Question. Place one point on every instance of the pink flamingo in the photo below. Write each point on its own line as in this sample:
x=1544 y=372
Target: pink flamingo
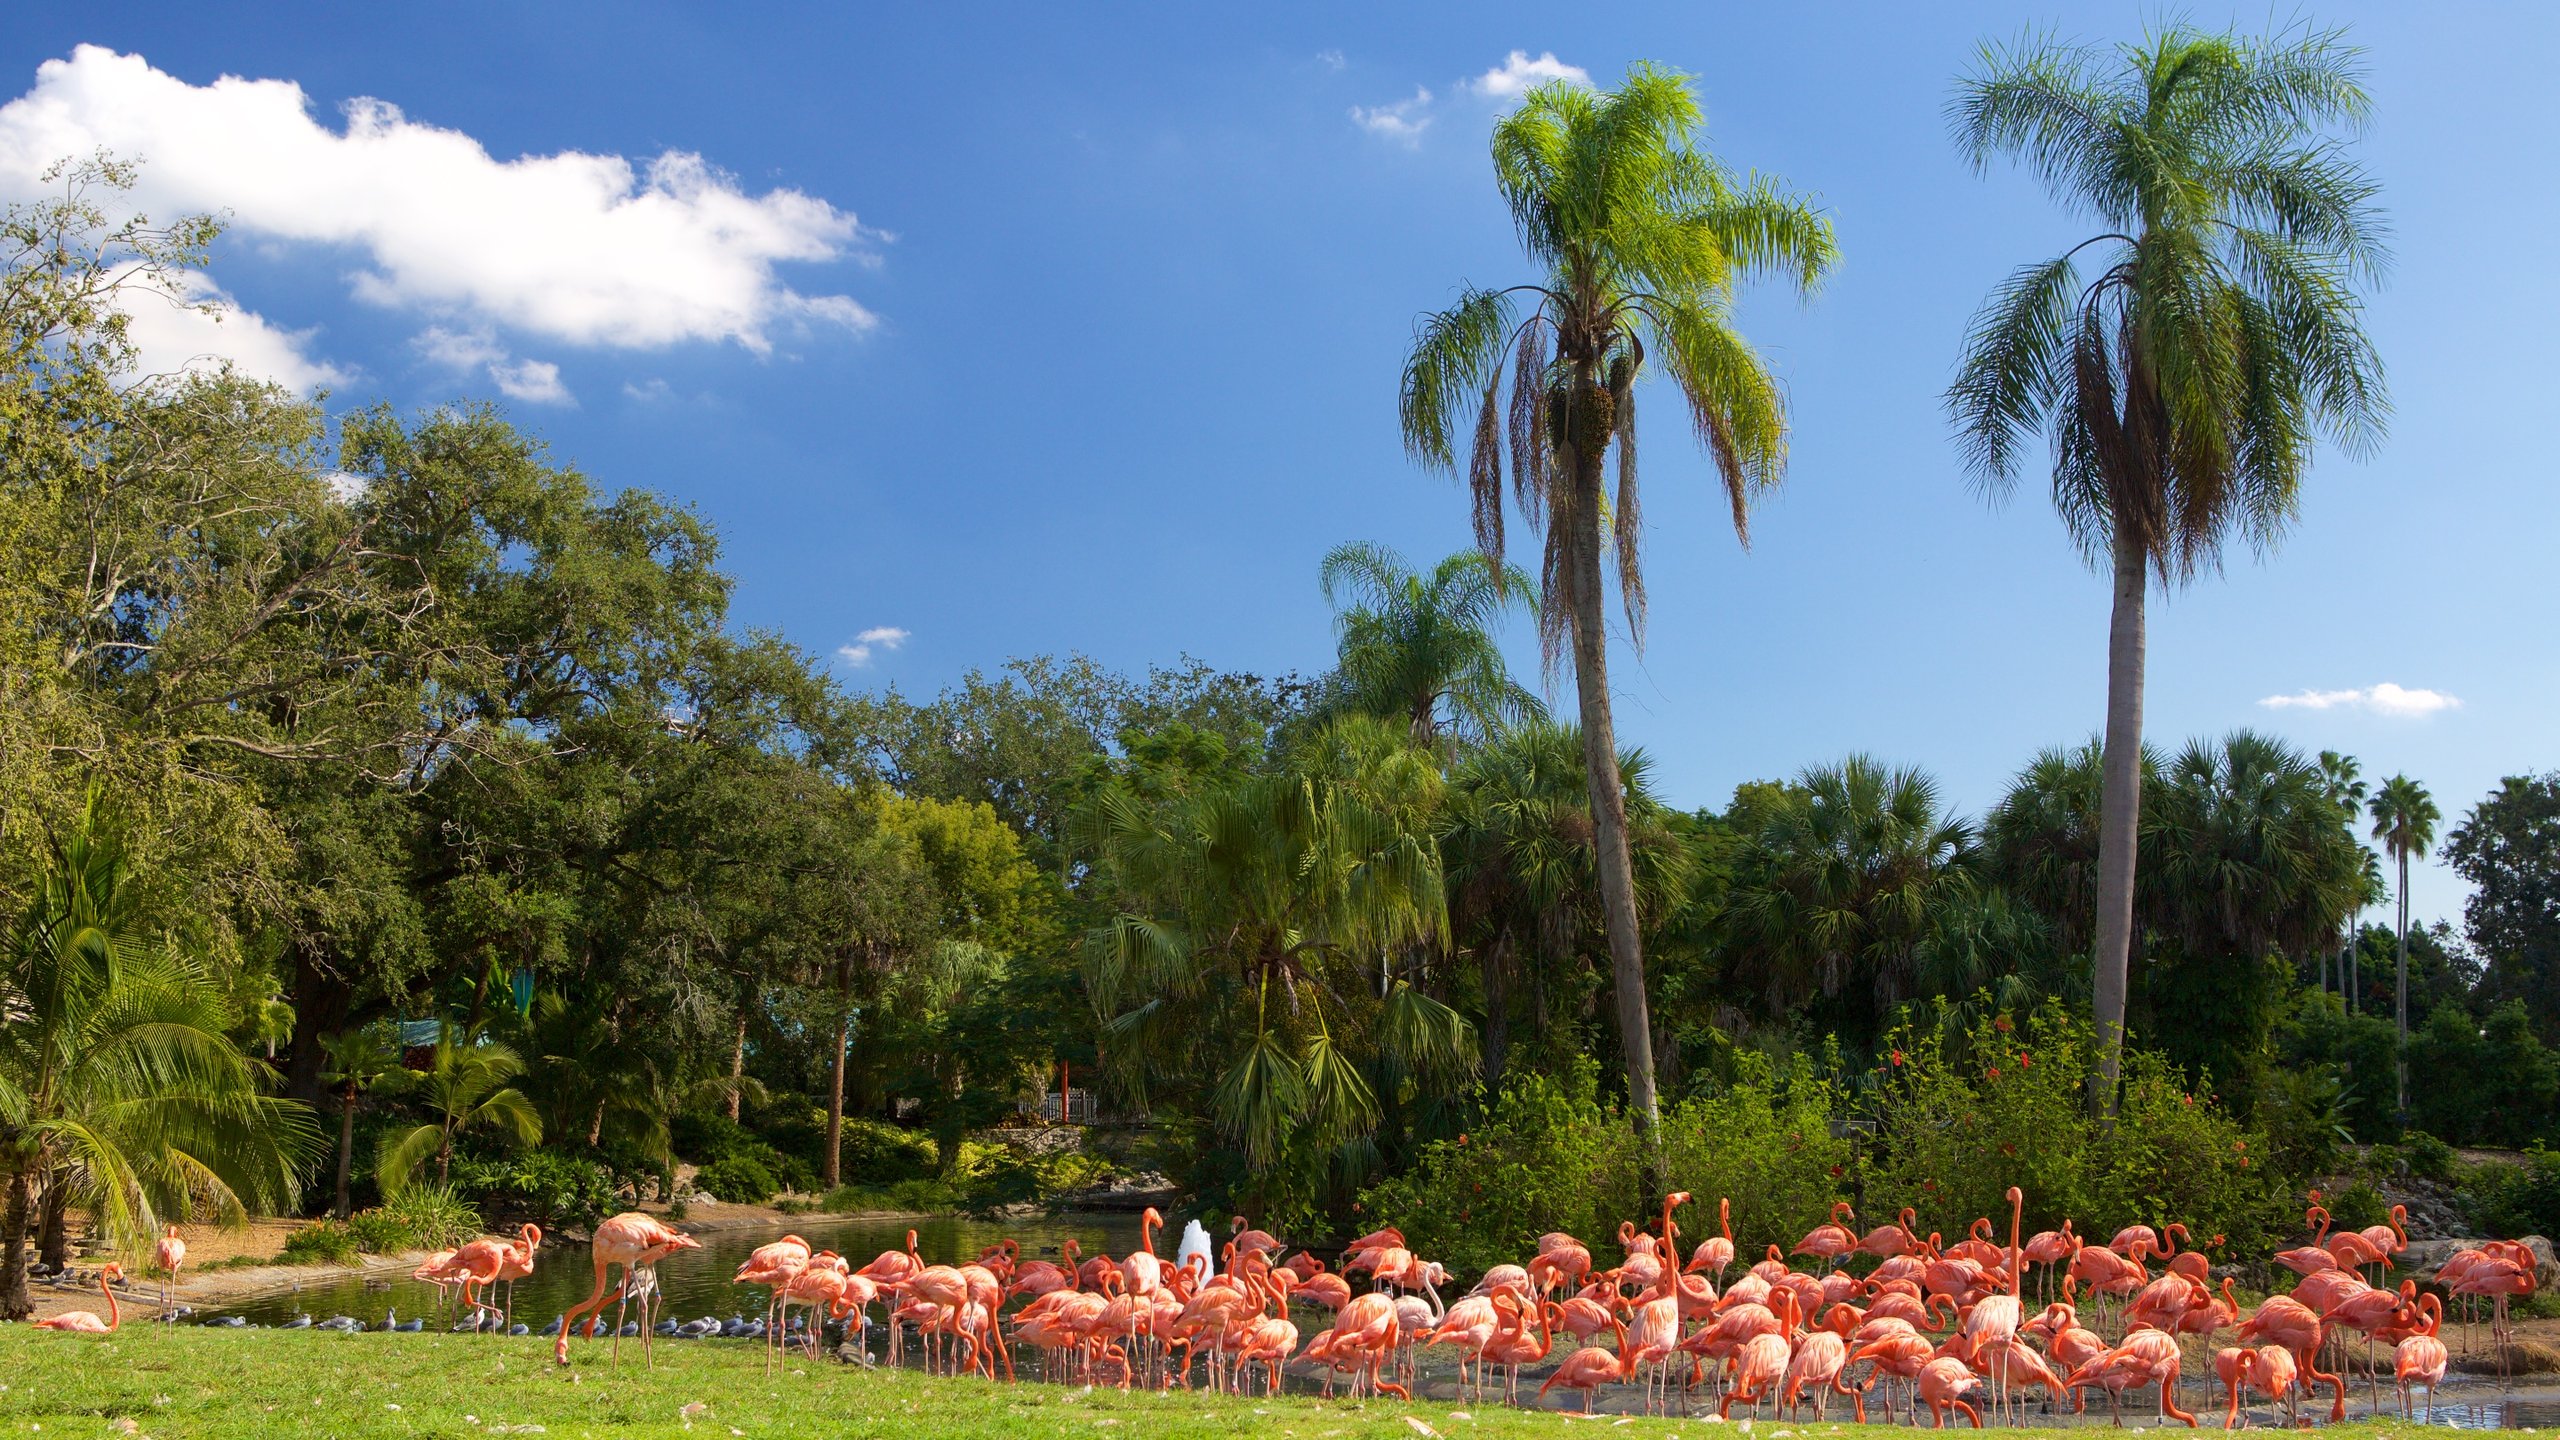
x=636 y=1242
x=1589 y=1368
x=437 y=1270
x=1833 y=1239
x=1886 y=1241
x=2421 y=1359
x=171 y=1254
x=1944 y=1382
x=1716 y=1251
x=83 y=1322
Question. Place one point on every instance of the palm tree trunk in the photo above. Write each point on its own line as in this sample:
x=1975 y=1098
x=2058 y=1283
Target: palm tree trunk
x=830 y=1170
x=2401 y=1006
x=2355 y=943
x=53 y=1232
x=343 y=1203
x=2119 y=812
x=1608 y=799
x=737 y=1063
x=15 y=1304
x=1497 y=1009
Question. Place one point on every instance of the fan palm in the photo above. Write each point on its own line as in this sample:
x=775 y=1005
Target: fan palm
x=117 y=1077
x=1862 y=860
x=2404 y=820
x=1516 y=838
x=2244 y=863
x=1643 y=239
x=2184 y=376
x=1417 y=646
x=464 y=1089
x=1269 y=911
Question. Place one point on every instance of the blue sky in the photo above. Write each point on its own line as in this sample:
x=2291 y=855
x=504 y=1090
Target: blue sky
x=1053 y=328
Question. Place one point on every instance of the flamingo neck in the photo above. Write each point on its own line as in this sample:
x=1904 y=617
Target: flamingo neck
x=113 y=1320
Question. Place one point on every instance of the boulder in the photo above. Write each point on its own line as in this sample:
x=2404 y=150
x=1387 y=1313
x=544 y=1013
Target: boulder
x=2423 y=1257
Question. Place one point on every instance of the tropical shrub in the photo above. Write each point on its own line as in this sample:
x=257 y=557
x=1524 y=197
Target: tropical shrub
x=377 y=1232
x=326 y=1243
x=2175 y=1154
x=547 y=1187
x=1767 y=1142
x=2427 y=1157
x=2515 y=1200
x=919 y=1197
x=2355 y=1205
x=883 y=1154
x=740 y=1180
x=1962 y=1112
x=432 y=1217
x=1546 y=1156
x=2489 y=1081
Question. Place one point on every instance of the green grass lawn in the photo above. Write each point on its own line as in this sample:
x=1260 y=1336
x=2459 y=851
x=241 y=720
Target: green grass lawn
x=187 y=1382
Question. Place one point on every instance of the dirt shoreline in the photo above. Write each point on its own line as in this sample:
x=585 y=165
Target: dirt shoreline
x=213 y=1289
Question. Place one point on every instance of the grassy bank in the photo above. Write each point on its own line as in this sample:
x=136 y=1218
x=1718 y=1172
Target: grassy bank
x=176 y=1384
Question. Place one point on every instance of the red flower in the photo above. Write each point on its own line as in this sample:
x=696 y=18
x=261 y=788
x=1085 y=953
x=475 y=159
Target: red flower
x=1897 y=1057
x=1991 y=1074
x=1462 y=1137
x=2003 y=1025
x=2025 y=1060
x=2240 y=1147
x=2186 y=1099
x=1835 y=1172
x=1928 y=1184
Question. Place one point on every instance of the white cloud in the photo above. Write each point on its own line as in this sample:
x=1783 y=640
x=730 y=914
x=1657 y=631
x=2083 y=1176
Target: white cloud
x=648 y=392
x=1332 y=60
x=459 y=349
x=536 y=382
x=200 y=327
x=2383 y=699
x=877 y=638
x=1403 y=122
x=582 y=249
x=347 y=485
x=1518 y=73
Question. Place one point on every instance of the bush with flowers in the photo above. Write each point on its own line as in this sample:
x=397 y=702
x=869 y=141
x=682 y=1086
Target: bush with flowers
x=1962 y=1111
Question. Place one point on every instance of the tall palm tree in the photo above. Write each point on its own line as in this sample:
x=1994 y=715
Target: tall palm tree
x=117 y=1075
x=2404 y=820
x=1643 y=239
x=1420 y=646
x=2341 y=780
x=2183 y=379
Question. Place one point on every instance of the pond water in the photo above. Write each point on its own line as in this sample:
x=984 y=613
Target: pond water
x=696 y=1282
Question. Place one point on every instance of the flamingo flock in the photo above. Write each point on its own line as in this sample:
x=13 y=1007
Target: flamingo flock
x=1946 y=1329
x=1949 y=1329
